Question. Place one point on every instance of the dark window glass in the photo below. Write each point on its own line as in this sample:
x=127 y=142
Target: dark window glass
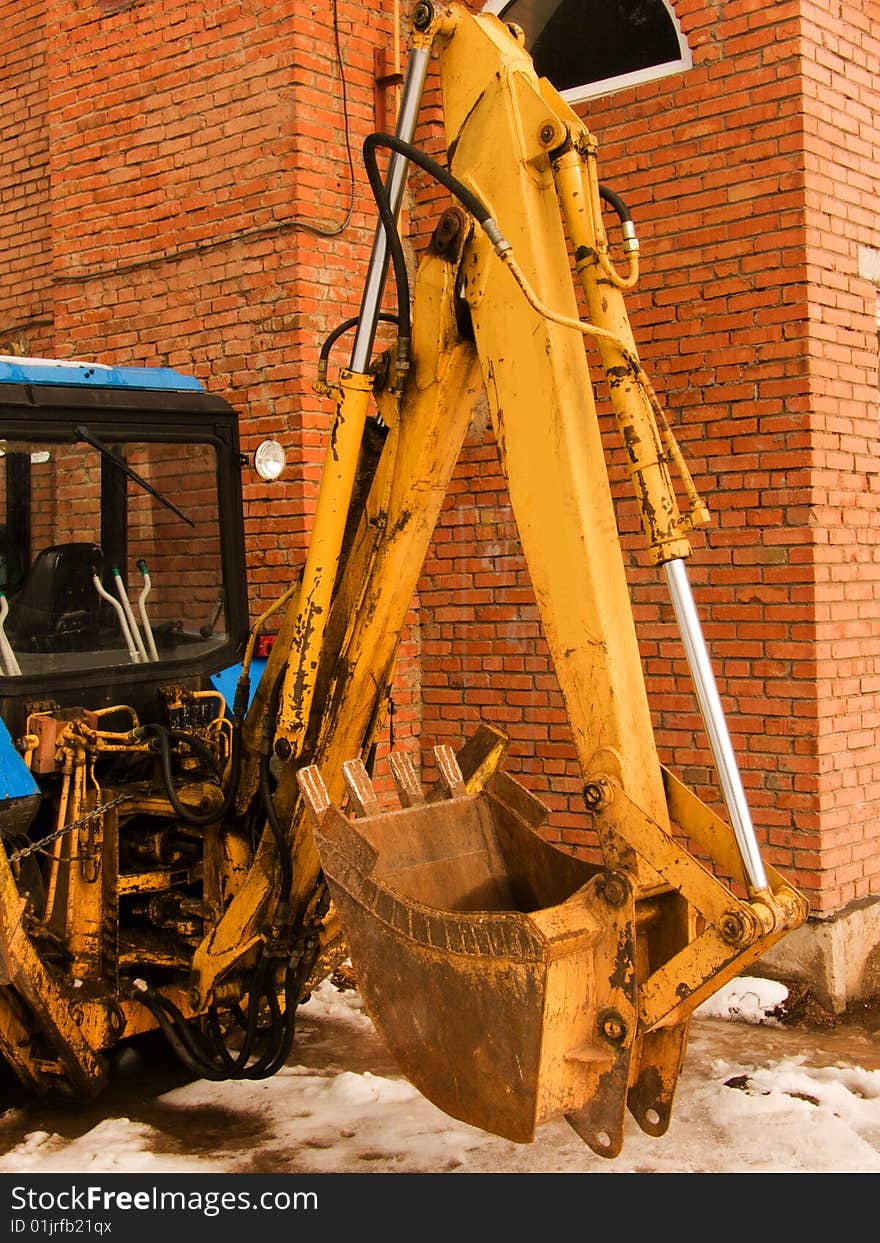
x=575 y=42
x=70 y=531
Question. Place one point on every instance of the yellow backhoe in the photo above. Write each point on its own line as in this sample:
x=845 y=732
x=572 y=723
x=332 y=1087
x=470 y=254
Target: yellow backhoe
x=186 y=851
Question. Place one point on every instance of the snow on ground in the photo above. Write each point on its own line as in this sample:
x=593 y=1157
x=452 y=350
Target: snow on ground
x=753 y=1096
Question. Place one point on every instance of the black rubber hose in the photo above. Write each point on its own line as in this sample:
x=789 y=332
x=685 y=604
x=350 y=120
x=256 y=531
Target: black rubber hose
x=269 y=1057
x=267 y=801
x=182 y=1040
x=455 y=187
x=218 y=1043
x=188 y=814
x=173 y=1025
x=197 y=1060
x=293 y=983
x=278 y=833
x=395 y=249
x=197 y=745
x=614 y=200
x=284 y=1026
x=255 y=993
x=185 y=1036
x=348 y=324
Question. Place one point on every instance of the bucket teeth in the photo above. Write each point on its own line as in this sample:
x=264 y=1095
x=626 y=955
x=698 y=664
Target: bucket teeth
x=362 y=797
x=360 y=788
x=451 y=780
x=313 y=790
x=406 y=779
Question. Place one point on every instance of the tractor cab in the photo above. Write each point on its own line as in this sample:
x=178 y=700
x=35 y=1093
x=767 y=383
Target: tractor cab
x=121 y=543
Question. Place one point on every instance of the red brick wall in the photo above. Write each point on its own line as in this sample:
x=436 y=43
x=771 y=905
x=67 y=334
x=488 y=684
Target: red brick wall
x=25 y=313
x=186 y=147
x=841 y=48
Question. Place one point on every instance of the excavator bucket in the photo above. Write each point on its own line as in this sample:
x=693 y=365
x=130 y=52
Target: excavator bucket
x=478 y=950
x=503 y=973
x=481 y=951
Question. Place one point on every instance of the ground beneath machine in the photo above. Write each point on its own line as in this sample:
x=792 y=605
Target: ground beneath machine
x=765 y=1087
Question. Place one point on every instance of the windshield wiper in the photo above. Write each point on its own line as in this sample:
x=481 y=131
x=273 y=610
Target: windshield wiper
x=84 y=434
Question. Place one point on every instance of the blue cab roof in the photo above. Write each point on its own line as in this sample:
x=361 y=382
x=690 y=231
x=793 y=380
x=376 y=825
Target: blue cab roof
x=15 y=370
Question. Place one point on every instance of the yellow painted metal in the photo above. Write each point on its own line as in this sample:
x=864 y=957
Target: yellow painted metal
x=649 y=449
x=322 y=560
x=372 y=599
x=733 y=931
x=500 y=130
x=85 y=918
x=52 y=1003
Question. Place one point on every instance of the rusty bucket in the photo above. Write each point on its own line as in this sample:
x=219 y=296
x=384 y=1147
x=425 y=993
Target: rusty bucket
x=498 y=968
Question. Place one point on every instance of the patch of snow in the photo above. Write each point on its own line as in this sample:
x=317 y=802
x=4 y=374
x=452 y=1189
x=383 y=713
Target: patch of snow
x=740 y=1106
x=343 y=1005
x=745 y=999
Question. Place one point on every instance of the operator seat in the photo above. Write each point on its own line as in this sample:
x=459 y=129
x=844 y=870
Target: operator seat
x=57 y=608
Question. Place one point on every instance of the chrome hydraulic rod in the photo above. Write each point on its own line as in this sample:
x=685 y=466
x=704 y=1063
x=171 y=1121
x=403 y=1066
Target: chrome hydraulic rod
x=715 y=722
x=410 y=101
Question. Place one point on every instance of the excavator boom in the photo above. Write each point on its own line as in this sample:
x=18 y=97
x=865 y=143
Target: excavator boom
x=512 y=984
x=203 y=865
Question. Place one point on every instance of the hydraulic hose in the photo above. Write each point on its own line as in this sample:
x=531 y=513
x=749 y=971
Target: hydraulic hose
x=255 y=994
x=268 y=803
x=198 y=745
x=277 y=1028
x=455 y=187
x=630 y=241
x=200 y=1061
x=339 y=331
x=614 y=200
x=181 y=1038
x=278 y=834
x=489 y=225
x=155 y=1003
x=188 y=814
x=293 y=982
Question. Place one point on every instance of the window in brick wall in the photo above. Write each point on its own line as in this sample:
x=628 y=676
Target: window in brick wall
x=589 y=48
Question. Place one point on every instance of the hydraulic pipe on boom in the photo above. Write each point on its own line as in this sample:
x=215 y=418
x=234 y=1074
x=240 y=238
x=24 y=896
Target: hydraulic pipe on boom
x=716 y=724
x=651 y=452
x=377 y=271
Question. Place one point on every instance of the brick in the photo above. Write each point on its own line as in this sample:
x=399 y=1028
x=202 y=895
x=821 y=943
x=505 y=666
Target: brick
x=152 y=192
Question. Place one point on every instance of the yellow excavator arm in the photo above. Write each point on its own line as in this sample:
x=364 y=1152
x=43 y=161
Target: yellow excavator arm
x=513 y=983
x=201 y=870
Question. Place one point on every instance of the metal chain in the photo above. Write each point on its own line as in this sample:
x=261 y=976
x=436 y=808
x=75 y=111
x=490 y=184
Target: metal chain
x=32 y=847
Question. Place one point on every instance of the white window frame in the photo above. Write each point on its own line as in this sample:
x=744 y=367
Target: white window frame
x=622 y=81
